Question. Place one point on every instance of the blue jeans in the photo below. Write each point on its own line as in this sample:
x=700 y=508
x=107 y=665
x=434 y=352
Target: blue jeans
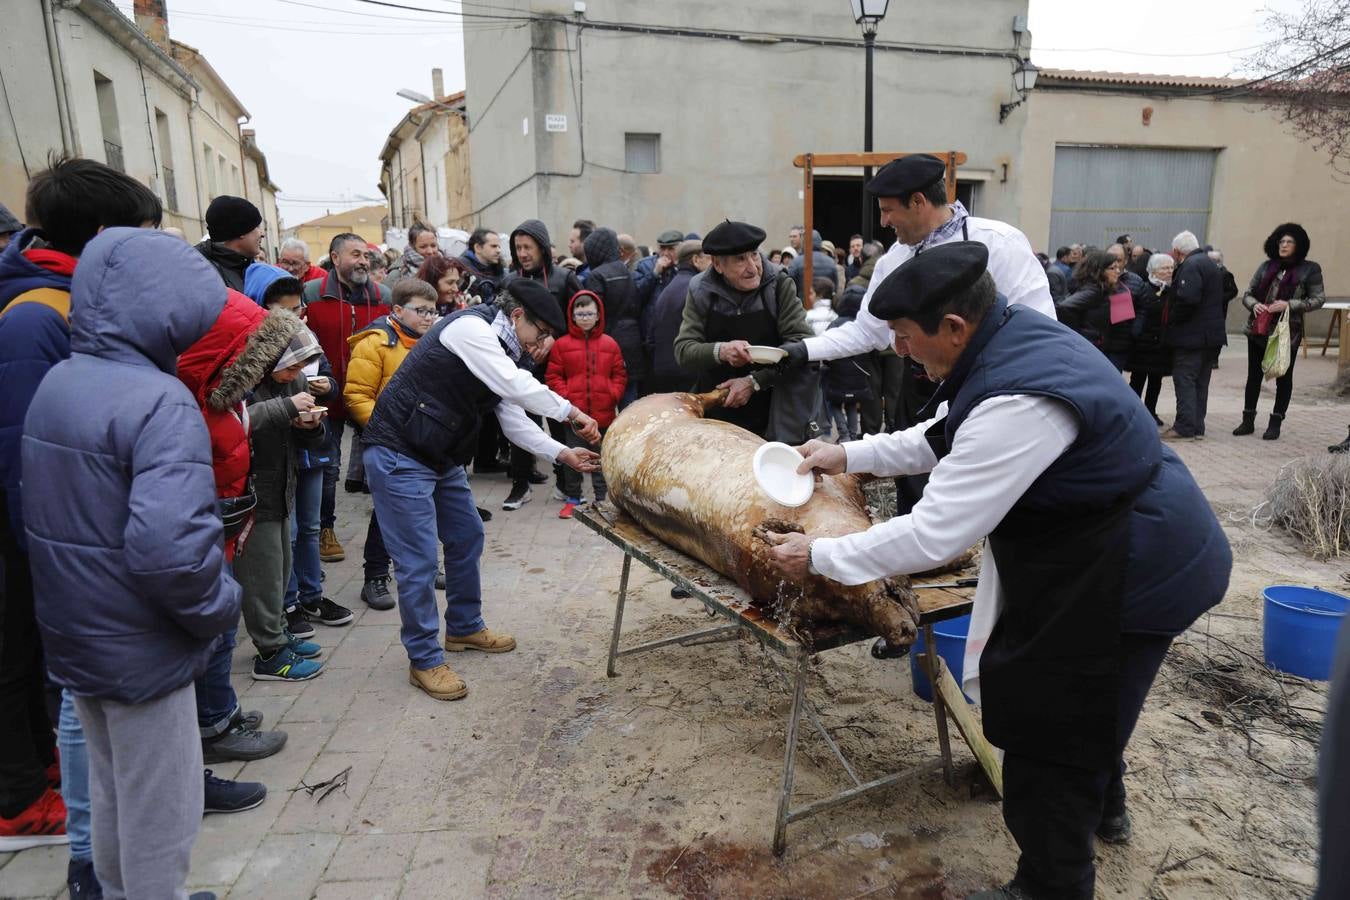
x=216 y=700
x=306 y=584
x=417 y=508
x=331 y=471
x=74 y=779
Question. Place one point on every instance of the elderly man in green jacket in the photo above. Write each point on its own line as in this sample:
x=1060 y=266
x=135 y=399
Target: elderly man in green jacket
x=744 y=300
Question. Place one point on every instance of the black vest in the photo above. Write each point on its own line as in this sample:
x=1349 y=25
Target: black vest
x=432 y=407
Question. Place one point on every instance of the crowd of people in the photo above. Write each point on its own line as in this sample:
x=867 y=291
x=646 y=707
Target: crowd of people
x=1161 y=314
x=227 y=384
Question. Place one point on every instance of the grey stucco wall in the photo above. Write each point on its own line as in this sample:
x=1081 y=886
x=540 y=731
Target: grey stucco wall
x=731 y=114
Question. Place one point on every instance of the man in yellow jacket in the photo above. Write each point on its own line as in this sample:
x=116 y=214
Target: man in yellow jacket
x=376 y=353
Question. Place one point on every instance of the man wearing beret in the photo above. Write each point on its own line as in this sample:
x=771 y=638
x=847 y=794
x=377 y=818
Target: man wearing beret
x=234 y=234
x=911 y=194
x=745 y=300
x=1101 y=547
x=425 y=430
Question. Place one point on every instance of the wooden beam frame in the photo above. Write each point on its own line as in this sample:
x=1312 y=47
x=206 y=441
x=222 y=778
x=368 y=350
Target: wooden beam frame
x=809 y=162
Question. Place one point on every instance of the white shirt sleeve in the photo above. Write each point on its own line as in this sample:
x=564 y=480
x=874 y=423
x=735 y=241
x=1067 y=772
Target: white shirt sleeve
x=526 y=435
x=1000 y=449
x=901 y=453
x=473 y=341
x=866 y=332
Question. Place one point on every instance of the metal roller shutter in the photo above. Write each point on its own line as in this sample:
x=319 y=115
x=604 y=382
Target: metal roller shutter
x=1104 y=191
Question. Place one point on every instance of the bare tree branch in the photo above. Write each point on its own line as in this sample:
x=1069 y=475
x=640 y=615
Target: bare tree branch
x=1302 y=74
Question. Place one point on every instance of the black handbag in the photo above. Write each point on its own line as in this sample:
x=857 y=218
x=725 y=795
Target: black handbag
x=235 y=512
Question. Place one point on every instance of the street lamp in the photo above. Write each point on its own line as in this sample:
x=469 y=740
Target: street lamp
x=414 y=96
x=868 y=14
x=418 y=97
x=1024 y=79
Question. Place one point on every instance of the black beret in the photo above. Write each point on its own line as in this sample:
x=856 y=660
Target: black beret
x=728 y=238
x=927 y=280
x=230 y=217
x=903 y=176
x=539 y=302
x=670 y=237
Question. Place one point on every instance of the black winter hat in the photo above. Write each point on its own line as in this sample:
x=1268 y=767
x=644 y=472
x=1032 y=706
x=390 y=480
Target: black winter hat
x=925 y=281
x=728 y=238
x=1302 y=244
x=902 y=177
x=230 y=217
x=539 y=302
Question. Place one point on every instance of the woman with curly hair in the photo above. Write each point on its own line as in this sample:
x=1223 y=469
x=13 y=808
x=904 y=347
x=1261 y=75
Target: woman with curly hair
x=1287 y=283
x=446 y=275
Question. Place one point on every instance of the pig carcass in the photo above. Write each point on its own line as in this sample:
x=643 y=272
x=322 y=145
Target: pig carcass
x=688 y=480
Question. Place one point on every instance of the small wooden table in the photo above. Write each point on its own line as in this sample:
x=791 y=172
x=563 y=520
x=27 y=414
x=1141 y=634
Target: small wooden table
x=1336 y=323
x=725 y=599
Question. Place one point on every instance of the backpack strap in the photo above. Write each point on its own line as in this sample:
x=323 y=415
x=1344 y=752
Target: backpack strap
x=52 y=298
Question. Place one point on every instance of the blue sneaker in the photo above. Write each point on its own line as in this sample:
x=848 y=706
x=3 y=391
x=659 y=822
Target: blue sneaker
x=302 y=648
x=225 y=796
x=284 y=665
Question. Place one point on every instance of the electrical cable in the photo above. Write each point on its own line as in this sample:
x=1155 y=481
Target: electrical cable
x=18 y=142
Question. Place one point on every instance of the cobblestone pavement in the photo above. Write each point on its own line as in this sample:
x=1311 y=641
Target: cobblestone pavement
x=550 y=779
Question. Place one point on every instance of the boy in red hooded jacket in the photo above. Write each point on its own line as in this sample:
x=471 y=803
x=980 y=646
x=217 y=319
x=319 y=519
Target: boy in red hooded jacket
x=586 y=367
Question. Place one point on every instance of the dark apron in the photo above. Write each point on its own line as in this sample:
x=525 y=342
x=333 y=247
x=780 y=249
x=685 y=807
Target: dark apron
x=1049 y=674
x=758 y=327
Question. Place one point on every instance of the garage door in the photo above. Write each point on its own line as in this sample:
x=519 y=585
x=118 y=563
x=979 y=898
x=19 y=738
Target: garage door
x=1104 y=191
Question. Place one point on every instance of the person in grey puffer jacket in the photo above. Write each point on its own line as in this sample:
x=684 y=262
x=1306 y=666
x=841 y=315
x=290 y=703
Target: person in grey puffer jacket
x=127 y=547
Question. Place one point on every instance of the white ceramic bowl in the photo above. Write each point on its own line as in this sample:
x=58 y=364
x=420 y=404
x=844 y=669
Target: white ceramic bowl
x=766 y=356
x=775 y=465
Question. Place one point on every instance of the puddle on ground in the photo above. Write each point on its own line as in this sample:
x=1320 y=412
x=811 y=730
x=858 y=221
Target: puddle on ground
x=862 y=865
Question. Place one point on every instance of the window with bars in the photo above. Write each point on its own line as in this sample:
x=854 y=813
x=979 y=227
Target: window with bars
x=107 y=114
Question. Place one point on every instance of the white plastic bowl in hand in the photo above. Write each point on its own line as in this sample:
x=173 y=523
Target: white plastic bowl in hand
x=765 y=355
x=775 y=465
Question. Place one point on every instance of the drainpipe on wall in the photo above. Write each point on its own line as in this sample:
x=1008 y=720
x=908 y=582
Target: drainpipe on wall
x=195 y=157
x=422 y=161
x=59 y=81
x=402 y=189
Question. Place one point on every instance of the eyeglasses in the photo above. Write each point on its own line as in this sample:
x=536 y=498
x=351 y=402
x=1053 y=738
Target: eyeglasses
x=425 y=312
x=585 y=315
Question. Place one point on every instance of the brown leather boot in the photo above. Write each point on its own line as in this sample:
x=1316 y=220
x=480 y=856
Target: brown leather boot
x=487 y=640
x=440 y=683
x=329 y=548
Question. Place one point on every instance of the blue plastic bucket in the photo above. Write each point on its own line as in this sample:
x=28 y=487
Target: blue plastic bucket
x=1300 y=629
x=950 y=637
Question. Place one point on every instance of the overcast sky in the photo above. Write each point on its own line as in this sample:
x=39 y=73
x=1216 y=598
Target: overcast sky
x=319 y=76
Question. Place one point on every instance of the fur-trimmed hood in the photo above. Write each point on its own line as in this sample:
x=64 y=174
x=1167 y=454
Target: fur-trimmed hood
x=257 y=359
x=1302 y=244
x=236 y=353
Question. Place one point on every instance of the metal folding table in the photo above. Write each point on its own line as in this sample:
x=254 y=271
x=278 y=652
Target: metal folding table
x=725 y=599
